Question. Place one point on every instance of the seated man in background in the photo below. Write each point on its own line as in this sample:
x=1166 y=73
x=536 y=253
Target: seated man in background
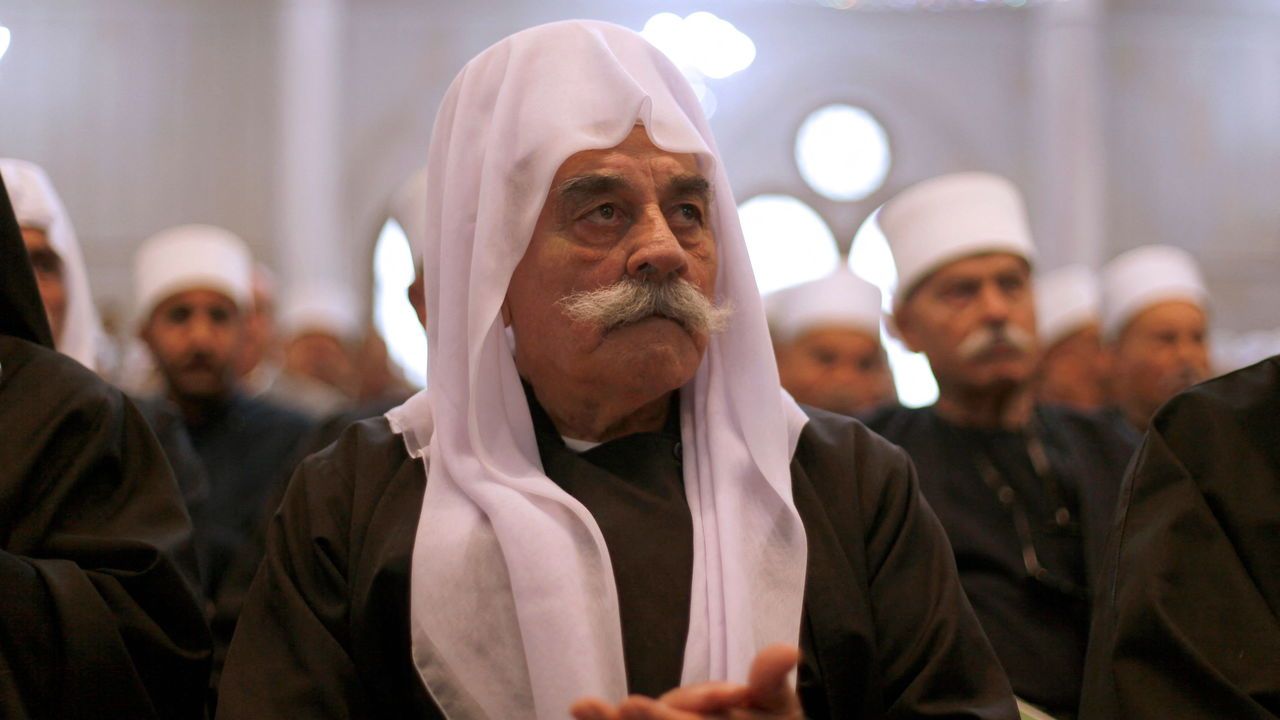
x=1073 y=366
x=193 y=289
x=1026 y=492
x=97 y=618
x=605 y=492
x=58 y=263
x=1155 y=328
x=827 y=338
x=1185 y=623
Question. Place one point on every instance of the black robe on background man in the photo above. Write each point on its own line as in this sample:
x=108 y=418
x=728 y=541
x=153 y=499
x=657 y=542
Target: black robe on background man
x=1187 y=623
x=1039 y=629
x=886 y=632
x=97 y=619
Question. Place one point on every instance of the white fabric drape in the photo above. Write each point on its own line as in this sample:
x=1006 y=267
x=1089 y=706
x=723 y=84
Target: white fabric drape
x=514 y=612
x=37 y=205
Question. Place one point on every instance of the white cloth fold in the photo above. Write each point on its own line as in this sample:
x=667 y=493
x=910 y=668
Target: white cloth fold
x=37 y=205
x=514 y=611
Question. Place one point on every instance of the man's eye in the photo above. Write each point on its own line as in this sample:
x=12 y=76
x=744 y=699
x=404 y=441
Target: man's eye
x=688 y=212
x=179 y=315
x=607 y=212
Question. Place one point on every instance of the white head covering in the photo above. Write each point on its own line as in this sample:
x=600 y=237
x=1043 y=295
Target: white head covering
x=191 y=257
x=514 y=611
x=1144 y=276
x=1067 y=299
x=37 y=205
x=841 y=298
x=946 y=218
x=409 y=209
x=329 y=310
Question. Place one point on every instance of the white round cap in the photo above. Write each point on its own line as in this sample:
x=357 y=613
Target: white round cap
x=1144 y=276
x=191 y=257
x=950 y=217
x=1067 y=300
x=839 y=299
x=328 y=310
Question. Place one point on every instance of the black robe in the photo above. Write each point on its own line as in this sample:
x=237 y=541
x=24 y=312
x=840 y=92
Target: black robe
x=1188 y=621
x=96 y=616
x=1039 y=632
x=886 y=630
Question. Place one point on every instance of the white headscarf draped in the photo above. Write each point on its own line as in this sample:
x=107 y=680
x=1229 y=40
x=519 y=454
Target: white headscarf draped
x=37 y=205
x=514 y=612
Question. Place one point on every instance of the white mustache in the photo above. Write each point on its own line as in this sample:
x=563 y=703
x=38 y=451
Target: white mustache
x=987 y=338
x=629 y=300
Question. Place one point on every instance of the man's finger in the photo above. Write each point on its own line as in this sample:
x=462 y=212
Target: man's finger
x=768 y=685
x=593 y=709
x=638 y=707
x=712 y=697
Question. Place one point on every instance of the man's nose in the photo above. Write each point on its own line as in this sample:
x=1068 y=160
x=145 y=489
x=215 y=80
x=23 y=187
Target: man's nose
x=657 y=254
x=200 y=331
x=995 y=306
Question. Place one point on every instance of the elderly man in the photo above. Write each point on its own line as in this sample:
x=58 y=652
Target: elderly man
x=1025 y=492
x=1154 y=326
x=826 y=335
x=193 y=290
x=1073 y=367
x=96 y=616
x=606 y=491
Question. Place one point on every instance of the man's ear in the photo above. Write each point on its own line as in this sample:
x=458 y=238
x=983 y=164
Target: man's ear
x=899 y=326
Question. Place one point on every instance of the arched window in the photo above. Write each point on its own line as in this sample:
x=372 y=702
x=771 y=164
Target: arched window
x=393 y=316
x=788 y=241
x=842 y=152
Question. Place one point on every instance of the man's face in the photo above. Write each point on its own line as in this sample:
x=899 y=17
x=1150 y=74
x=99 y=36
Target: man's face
x=194 y=337
x=1161 y=352
x=632 y=211
x=975 y=320
x=1073 y=371
x=320 y=356
x=49 y=277
x=835 y=368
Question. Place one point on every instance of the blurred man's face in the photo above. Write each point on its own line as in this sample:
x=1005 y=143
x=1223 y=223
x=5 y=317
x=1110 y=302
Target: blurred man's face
x=835 y=368
x=49 y=277
x=1073 y=371
x=629 y=213
x=1161 y=352
x=259 y=327
x=321 y=356
x=975 y=320
x=194 y=337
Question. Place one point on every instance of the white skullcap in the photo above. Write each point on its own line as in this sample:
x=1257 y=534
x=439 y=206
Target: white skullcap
x=951 y=217
x=841 y=299
x=191 y=257
x=409 y=210
x=320 y=309
x=1067 y=299
x=1144 y=276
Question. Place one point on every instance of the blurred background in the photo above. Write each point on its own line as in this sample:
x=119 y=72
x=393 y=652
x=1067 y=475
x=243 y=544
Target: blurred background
x=292 y=123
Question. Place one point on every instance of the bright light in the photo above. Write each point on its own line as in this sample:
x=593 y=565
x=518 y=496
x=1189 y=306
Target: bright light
x=5 y=35
x=871 y=259
x=701 y=44
x=397 y=323
x=842 y=152
x=788 y=241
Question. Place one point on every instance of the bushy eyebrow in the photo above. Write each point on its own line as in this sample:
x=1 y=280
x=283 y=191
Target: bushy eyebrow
x=579 y=190
x=690 y=185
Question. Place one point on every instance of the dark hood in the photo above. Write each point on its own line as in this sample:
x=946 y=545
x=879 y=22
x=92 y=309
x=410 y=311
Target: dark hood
x=21 y=310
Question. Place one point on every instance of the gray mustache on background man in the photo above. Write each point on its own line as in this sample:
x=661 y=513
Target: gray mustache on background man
x=986 y=339
x=630 y=300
